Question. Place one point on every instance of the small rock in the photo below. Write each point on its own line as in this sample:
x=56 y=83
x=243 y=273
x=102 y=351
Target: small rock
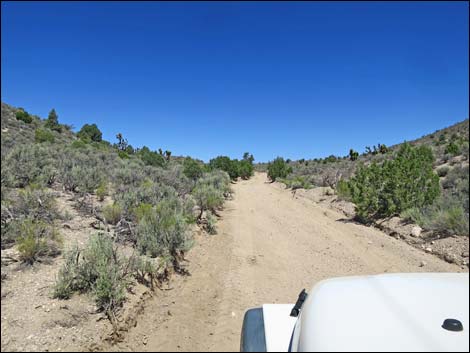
x=144 y=340
x=465 y=254
x=416 y=231
x=169 y=313
x=429 y=250
x=369 y=242
x=449 y=258
x=422 y=263
x=433 y=242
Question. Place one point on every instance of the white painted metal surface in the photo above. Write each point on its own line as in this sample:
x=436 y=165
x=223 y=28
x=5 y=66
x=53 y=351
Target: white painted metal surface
x=278 y=326
x=392 y=312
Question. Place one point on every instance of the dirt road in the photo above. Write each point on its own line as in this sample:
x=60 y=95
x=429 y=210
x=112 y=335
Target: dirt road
x=269 y=246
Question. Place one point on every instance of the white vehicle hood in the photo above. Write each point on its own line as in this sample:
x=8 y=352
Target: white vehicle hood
x=392 y=312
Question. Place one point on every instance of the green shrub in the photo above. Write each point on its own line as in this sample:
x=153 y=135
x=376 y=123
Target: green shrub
x=142 y=211
x=90 y=132
x=79 y=144
x=25 y=164
x=226 y=164
x=36 y=203
x=129 y=173
x=296 y=182
x=123 y=155
x=442 y=139
x=82 y=170
x=207 y=198
x=112 y=213
x=102 y=191
x=442 y=171
x=245 y=169
x=41 y=135
x=36 y=240
x=130 y=197
x=24 y=116
x=353 y=155
x=452 y=149
x=451 y=220
x=98 y=269
x=151 y=157
x=407 y=181
x=219 y=180
x=446 y=216
x=67 y=276
x=192 y=169
x=278 y=169
x=415 y=215
x=456 y=179
x=211 y=224
x=52 y=121
x=343 y=191
x=163 y=232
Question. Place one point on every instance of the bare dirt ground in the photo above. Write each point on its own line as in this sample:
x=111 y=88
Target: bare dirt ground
x=269 y=246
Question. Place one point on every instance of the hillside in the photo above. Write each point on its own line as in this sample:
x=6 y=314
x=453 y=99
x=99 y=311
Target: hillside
x=89 y=229
x=380 y=187
x=327 y=171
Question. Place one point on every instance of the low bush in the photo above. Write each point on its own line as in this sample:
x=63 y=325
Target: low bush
x=447 y=216
x=230 y=166
x=42 y=135
x=396 y=185
x=130 y=197
x=192 y=169
x=296 y=182
x=36 y=240
x=24 y=116
x=112 y=213
x=343 y=191
x=102 y=191
x=79 y=144
x=25 y=164
x=442 y=171
x=278 y=169
x=452 y=148
x=98 y=269
x=142 y=211
x=211 y=224
x=36 y=203
x=52 y=121
x=90 y=132
x=163 y=230
x=151 y=158
x=207 y=198
x=219 y=180
x=245 y=169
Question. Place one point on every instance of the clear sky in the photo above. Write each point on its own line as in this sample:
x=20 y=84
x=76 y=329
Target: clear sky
x=296 y=79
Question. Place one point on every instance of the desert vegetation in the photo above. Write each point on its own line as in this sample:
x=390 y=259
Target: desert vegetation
x=424 y=181
x=145 y=204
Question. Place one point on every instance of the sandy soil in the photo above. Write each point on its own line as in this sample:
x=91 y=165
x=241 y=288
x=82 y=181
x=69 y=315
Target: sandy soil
x=269 y=246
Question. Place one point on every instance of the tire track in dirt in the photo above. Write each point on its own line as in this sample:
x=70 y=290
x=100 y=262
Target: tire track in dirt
x=269 y=246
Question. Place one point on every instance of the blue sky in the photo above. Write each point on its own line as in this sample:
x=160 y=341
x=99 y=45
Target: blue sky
x=300 y=80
